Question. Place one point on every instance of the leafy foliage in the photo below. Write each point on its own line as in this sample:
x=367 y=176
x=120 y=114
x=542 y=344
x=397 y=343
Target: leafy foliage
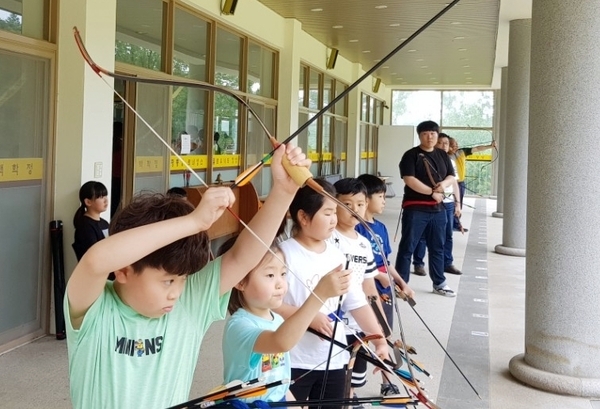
x=12 y=23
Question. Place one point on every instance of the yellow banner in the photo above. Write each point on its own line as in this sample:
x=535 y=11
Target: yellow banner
x=363 y=155
x=371 y=155
x=148 y=164
x=196 y=162
x=314 y=156
x=19 y=169
x=326 y=156
x=480 y=158
x=343 y=156
x=226 y=161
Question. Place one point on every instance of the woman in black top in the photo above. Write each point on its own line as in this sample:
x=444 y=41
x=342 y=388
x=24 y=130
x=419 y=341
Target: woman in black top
x=89 y=226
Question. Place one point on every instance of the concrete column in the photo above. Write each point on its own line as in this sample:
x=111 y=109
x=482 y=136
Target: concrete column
x=517 y=130
x=562 y=313
x=501 y=141
x=84 y=107
x=289 y=86
x=354 y=110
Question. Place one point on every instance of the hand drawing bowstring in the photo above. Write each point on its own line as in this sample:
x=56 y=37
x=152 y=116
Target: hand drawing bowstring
x=246 y=176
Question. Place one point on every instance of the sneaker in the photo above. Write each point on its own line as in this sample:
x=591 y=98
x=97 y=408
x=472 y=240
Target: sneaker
x=452 y=270
x=419 y=271
x=445 y=291
x=358 y=406
x=388 y=389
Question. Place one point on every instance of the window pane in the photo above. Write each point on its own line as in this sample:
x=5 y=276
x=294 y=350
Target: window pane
x=227 y=73
x=372 y=118
x=326 y=157
x=478 y=179
x=24 y=113
x=327 y=91
x=468 y=108
x=307 y=140
x=339 y=145
x=364 y=112
x=29 y=22
x=414 y=107
x=151 y=157
x=139 y=35
x=313 y=92
x=341 y=106
x=191 y=39
x=301 y=87
x=364 y=135
x=260 y=71
x=257 y=145
x=188 y=118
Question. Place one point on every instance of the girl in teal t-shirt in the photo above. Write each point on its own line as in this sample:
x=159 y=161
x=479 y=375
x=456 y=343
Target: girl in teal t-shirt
x=256 y=340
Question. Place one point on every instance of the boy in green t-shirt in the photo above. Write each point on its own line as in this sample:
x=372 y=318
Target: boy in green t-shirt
x=135 y=342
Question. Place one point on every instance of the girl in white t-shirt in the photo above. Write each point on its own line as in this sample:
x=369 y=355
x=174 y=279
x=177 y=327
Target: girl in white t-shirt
x=310 y=256
x=256 y=340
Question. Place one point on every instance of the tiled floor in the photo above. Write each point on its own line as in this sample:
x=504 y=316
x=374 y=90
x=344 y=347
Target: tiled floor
x=482 y=329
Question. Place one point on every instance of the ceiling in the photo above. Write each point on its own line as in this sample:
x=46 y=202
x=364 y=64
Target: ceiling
x=464 y=48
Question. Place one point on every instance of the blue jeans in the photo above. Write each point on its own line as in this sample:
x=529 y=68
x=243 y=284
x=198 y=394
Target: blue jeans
x=432 y=227
x=419 y=254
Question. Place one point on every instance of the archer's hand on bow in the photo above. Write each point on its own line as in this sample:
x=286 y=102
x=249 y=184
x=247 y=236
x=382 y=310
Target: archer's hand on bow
x=215 y=201
x=281 y=179
x=333 y=284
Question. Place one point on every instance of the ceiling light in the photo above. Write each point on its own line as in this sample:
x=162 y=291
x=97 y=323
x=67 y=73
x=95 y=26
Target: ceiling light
x=353 y=41
x=436 y=82
x=337 y=27
x=468 y=78
x=456 y=23
x=399 y=79
x=385 y=67
x=405 y=82
x=420 y=59
x=366 y=51
x=402 y=39
x=317 y=9
x=468 y=82
x=395 y=25
x=376 y=60
x=459 y=38
x=411 y=51
x=462 y=49
x=383 y=6
x=424 y=66
x=466 y=66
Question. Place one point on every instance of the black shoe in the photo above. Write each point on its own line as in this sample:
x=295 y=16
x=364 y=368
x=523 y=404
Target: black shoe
x=463 y=230
x=452 y=270
x=388 y=389
x=419 y=271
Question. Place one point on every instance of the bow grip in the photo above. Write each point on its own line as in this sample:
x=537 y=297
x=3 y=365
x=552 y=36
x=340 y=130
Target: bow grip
x=299 y=174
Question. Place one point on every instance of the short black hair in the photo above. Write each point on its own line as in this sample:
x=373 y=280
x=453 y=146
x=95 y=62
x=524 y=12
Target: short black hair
x=350 y=186
x=177 y=192
x=309 y=200
x=428 y=126
x=444 y=135
x=373 y=183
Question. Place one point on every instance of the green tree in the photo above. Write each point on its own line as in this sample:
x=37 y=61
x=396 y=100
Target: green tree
x=12 y=23
x=137 y=55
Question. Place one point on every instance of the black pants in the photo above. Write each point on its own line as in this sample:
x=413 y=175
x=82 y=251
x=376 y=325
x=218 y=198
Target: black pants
x=310 y=386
